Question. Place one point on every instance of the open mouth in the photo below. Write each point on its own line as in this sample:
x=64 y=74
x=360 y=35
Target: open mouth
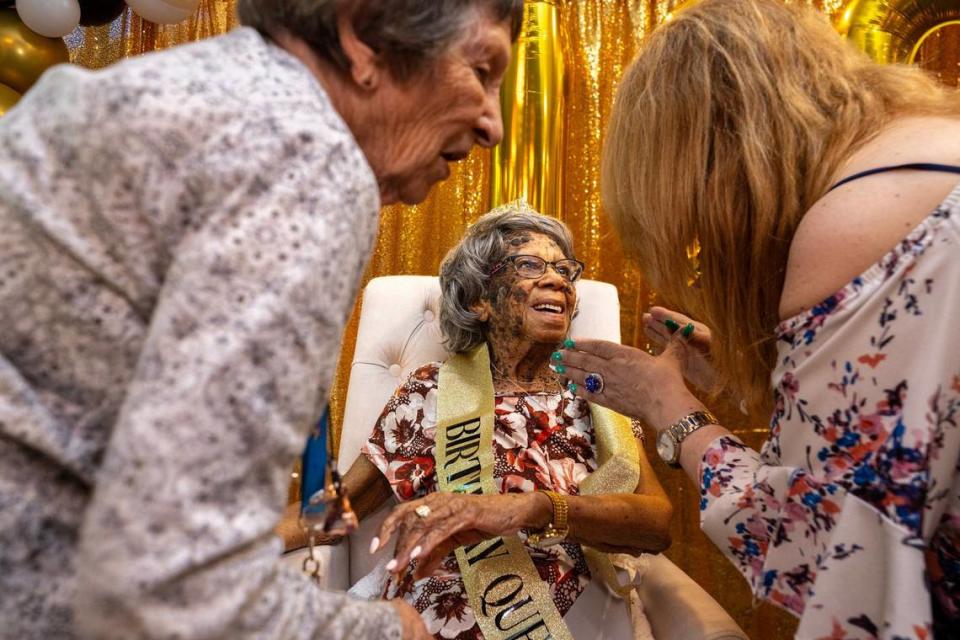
x=454 y=156
x=546 y=307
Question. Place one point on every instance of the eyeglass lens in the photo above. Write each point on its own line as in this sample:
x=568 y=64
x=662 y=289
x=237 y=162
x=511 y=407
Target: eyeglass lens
x=534 y=267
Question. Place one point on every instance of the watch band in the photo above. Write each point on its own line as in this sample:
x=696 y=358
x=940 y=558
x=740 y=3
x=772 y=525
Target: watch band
x=690 y=423
x=557 y=530
x=561 y=511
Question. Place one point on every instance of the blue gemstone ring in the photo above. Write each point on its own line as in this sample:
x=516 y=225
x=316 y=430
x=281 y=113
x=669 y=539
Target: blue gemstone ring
x=593 y=383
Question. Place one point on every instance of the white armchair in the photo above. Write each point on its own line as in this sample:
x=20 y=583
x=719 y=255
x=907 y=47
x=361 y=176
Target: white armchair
x=399 y=331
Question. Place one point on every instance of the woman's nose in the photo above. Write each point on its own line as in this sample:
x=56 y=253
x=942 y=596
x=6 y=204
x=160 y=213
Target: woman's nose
x=489 y=129
x=552 y=278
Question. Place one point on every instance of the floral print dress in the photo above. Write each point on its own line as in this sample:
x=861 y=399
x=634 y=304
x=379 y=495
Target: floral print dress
x=849 y=517
x=542 y=441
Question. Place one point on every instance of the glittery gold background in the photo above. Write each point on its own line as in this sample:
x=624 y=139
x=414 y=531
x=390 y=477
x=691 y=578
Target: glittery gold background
x=601 y=37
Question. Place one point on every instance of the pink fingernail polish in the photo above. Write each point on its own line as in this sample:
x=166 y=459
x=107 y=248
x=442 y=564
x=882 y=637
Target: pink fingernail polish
x=392 y=565
x=374 y=544
x=416 y=552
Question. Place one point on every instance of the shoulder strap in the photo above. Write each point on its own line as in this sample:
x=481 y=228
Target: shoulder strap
x=916 y=166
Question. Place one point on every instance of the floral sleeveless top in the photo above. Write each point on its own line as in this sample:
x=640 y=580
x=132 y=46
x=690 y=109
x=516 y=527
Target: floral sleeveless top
x=541 y=441
x=849 y=517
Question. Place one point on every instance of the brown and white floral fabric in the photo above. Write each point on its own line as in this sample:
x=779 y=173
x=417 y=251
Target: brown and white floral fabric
x=541 y=441
x=181 y=239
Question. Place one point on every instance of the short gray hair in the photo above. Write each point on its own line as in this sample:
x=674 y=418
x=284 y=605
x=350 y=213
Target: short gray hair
x=465 y=271
x=409 y=33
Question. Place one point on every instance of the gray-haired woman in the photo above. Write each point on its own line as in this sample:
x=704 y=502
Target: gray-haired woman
x=508 y=296
x=181 y=239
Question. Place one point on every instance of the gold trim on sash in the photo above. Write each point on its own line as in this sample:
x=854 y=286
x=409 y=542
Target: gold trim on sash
x=507 y=595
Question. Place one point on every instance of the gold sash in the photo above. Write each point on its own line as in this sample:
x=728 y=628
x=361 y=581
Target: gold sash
x=508 y=597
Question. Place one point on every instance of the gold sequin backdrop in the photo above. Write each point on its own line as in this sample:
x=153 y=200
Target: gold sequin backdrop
x=600 y=38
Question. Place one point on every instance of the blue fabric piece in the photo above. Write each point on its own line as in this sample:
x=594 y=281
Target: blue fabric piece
x=313 y=474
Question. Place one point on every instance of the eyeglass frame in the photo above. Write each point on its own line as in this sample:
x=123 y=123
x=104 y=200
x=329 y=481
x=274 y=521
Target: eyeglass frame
x=513 y=260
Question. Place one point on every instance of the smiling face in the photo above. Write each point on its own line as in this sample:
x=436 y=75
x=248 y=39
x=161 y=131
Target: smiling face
x=436 y=117
x=523 y=312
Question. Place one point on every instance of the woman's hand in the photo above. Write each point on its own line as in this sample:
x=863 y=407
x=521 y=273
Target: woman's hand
x=454 y=520
x=660 y=324
x=635 y=383
x=411 y=622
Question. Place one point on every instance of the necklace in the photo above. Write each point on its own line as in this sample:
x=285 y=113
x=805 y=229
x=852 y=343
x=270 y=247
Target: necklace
x=556 y=380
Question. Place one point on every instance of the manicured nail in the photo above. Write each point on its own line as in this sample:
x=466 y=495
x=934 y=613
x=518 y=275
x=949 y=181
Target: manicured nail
x=561 y=369
x=671 y=324
x=416 y=552
x=392 y=565
x=569 y=344
x=572 y=387
x=687 y=331
x=556 y=356
x=374 y=544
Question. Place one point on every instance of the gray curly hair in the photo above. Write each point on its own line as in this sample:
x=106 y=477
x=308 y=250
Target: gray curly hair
x=409 y=33
x=465 y=271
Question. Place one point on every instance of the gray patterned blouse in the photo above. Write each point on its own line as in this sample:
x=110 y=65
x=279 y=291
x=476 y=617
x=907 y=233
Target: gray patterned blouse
x=181 y=239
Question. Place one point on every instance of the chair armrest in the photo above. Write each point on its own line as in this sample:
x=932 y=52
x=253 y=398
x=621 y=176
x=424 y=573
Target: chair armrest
x=679 y=609
x=334 y=564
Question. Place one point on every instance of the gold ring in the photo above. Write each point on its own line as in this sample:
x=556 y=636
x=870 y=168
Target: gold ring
x=423 y=511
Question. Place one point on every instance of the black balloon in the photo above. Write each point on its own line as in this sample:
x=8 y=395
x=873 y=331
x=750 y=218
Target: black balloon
x=94 y=13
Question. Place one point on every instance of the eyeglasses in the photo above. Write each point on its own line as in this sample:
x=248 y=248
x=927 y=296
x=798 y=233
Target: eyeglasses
x=535 y=266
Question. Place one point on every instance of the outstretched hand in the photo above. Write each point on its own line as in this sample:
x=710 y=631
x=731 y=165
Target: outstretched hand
x=635 y=383
x=455 y=520
x=661 y=324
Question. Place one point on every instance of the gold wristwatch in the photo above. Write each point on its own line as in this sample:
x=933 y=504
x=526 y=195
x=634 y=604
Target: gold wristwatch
x=668 y=440
x=555 y=532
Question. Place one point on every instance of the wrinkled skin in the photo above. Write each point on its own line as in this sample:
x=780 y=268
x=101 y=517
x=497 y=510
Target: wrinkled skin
x=521 y=338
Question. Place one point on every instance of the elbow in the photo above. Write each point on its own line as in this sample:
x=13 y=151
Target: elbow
x=654 y=536
x=660 y=538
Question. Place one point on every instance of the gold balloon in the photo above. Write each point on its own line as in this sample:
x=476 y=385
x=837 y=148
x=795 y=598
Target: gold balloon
x=24 y=55
x=893 y=30
x=8 y=98
x=529 y=161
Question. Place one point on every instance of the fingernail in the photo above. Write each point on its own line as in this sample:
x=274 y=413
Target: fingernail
x=556 y=356
x=687 y=331
x=560 y=369
x=569 y=344
x=671 y=324
x=416 y=551
x=392 y=565
x=572 y=387
x=374 y=544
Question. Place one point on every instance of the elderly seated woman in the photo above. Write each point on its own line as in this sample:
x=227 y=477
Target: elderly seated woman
x=491 y=447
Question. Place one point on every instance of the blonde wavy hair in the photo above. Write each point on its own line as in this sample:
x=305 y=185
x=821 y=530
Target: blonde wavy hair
x=726 y=129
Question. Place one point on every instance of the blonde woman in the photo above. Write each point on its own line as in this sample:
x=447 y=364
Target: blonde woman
x=823 y=190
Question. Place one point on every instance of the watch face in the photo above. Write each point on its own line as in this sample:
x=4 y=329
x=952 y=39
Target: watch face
x=666 y=447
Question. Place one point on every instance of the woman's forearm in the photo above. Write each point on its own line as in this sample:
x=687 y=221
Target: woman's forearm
x=617 y=523
x=621 y=523
x=367 y=488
